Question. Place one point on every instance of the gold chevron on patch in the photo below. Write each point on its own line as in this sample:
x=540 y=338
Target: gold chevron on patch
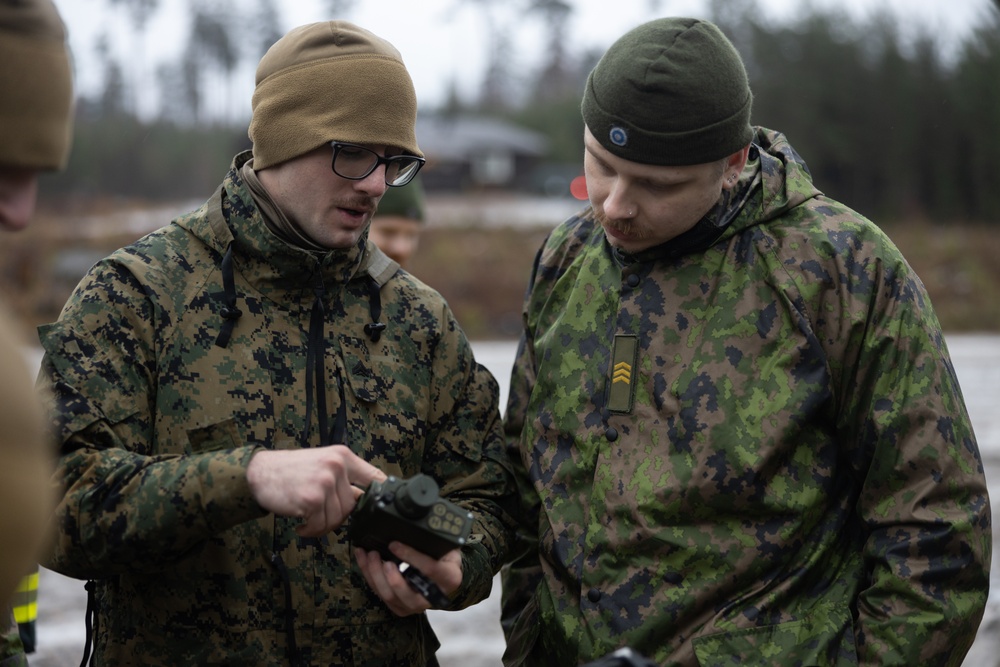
x=622 y=373
x=621 y=390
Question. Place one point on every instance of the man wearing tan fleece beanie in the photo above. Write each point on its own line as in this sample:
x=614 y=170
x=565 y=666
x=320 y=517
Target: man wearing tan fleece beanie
x=228 y=386
x=36 y=99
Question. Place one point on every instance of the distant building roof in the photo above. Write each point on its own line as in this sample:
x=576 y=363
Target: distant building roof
x=447 y=137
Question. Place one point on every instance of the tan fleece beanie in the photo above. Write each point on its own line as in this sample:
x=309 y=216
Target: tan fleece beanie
x=36 y=86
x=330 y=81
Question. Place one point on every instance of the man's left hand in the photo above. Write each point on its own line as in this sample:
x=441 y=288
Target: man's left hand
x=388 y=583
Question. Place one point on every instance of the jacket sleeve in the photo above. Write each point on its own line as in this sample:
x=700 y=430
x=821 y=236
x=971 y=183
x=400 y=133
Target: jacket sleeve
x=121 y=507
x=523 y=574
x=923 y=497
x=466 y=454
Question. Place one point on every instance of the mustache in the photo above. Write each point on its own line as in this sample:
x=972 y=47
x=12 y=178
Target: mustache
x=606 y=221
x=619 y=224
x=366 y=204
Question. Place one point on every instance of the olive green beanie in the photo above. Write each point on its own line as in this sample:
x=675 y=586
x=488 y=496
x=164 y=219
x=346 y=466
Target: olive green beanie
x=36 y=86
x=672 y=91
x=330 y=81
x=404 y=202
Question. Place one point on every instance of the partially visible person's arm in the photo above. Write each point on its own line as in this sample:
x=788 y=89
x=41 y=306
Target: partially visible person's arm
x=26 y=461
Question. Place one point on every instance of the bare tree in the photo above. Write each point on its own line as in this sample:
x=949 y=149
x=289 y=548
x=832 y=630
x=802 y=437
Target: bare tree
x=338 y=9
x=112 y=99
x=215 y=44
x=497 y=89
x=264 y=26
x=180 y=90
x=140 y=12
x=556 y=78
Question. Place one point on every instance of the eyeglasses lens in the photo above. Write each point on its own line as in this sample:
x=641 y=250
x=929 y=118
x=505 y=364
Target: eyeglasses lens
x=356 y=162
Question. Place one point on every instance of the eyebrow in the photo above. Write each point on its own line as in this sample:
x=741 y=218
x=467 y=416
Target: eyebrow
x=641 y=179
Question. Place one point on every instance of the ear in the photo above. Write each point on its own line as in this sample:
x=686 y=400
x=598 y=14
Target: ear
x=734 y=167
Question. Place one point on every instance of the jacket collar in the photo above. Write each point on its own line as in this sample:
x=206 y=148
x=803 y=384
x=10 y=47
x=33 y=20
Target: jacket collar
x=775 y=180
x=270 y=265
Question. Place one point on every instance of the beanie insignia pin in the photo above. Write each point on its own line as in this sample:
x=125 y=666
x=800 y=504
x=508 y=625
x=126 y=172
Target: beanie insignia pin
x=618 y=136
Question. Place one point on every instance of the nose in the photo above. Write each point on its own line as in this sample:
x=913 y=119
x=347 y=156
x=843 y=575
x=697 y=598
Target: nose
x=618 y=204
x=373 y=184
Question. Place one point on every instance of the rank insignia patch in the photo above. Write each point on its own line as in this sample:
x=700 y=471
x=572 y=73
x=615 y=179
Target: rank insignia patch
x=621 y=390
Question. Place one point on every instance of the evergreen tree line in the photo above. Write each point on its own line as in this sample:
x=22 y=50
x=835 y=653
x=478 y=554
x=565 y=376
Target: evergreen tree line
x=898 y=126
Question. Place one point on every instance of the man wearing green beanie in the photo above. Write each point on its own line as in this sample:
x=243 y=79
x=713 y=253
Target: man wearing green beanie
x=733 y=414
x=228 y=386
x=36 y=102
x=398 y=222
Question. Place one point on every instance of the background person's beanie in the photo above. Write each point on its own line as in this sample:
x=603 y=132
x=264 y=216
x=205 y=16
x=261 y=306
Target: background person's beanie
x=403 y=202
x=330 y=81
x=36 y=86
x=672 y=91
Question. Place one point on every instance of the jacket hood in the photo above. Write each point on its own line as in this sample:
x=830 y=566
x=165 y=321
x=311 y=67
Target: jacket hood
x=787 y=182
x=775 y=180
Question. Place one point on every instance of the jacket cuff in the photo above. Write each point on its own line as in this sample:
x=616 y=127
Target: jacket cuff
x=477 y=578
x=226 y=495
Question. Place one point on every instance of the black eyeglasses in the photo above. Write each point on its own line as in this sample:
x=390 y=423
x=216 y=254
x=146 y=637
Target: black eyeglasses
x=356 y=162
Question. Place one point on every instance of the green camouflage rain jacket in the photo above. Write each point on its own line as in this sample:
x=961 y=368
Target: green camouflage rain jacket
x=159 y=415
x=746 y=446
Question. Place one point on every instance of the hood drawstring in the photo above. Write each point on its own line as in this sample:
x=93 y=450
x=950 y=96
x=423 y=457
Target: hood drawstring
x=90 y=620
x=316 y=379
x=316 y=365
x=316 y=368
x=339 y=434
x=375 y=329
x=230 y=313
x=293 y=650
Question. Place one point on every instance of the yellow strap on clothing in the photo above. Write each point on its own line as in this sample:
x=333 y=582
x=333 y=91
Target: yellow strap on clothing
x=26 y=599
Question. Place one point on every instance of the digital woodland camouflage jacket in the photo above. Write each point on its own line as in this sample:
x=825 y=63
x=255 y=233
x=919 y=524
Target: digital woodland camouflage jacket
x=744 y=447
x=158 y=421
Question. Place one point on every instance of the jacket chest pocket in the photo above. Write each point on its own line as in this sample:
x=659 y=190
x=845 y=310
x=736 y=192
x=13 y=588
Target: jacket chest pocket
x=215 y=404
x=214 y=437
x=361 y=374
x=388 y=418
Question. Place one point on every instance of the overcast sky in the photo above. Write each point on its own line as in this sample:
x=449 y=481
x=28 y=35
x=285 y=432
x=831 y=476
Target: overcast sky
x=444 y=41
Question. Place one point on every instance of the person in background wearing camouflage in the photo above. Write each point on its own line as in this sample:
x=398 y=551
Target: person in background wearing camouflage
x=738 y=428
x=36 y=121
x=397 y=223
x=224 y=386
